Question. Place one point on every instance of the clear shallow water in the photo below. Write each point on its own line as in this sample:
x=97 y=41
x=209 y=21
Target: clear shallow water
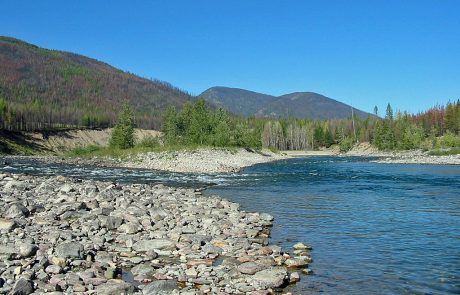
x=375 y=228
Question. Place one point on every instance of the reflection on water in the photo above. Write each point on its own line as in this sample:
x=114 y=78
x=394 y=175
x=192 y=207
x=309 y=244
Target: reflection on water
x=375 y=228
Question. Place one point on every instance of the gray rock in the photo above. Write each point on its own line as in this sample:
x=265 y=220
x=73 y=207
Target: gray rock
x=114 y=222
x=211 y=249
x=53 y=269
x=142 y=269
x=266 y=217
x=155 y=244
x=26 y=249
x=301 y=246
x=297 y=261
x=160 y=287
x=66 y=188
x=17 y=211
x=249 y=268
x=271 y=278
x=7 y=225
x=294 y=277
x=23 y=287
x=115 y=287
x=70 y=250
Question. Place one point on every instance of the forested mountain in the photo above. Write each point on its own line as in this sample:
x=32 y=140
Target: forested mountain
x=47 y=87
x=237 y=101
x=299 y=104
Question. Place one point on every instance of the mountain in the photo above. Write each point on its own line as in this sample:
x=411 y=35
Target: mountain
x=70 y=88
x=237 y=101
x=298 y=104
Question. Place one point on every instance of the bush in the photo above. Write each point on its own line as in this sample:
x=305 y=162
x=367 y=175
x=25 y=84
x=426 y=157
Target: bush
x=346 y=144
x=449 y=140
x=412 y=137
x=149 y=142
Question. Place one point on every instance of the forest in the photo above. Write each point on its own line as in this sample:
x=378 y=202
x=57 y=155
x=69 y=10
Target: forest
x=198 y=124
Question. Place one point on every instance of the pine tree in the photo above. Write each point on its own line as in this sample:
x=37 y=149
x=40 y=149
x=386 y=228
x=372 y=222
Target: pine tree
x=123 y=132
x=389 y=113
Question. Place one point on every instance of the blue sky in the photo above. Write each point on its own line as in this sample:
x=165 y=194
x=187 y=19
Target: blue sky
x=366 y=53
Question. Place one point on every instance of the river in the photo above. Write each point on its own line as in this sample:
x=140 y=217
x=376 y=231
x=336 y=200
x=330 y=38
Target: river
x=375 y=228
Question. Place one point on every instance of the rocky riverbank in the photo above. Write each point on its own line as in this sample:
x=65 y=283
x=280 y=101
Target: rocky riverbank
x=193 y=161
x=70 y=236
x=402 y=157
x=202 y=160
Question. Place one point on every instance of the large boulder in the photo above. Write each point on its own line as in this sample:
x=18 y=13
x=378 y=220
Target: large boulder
x=249 y=268
x=154 y=244
x=271 y=278
x=7 y=224
x=23 y=287
x=160 y=287
x=17 y=211
x=115 y=287
x=70 y=250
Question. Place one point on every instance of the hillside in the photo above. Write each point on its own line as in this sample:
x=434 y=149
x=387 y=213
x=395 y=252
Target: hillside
x=299 y=104
x=237 y=101
x=61 y=87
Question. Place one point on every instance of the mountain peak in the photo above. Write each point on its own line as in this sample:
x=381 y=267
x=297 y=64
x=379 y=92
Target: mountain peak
x=297 y=104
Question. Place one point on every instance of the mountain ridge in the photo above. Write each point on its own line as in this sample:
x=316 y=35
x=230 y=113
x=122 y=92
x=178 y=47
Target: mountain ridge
x=296 y=104
x=36 y=81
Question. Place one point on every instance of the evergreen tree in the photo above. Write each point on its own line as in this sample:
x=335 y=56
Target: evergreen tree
x=376 y=110
x=170 y=125
x=123 y=132
x=389 y=113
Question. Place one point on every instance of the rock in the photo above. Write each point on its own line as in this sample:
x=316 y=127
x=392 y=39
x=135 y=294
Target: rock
x=26 y=250
x=115 y=287
x=110 y=273
x=294 y=277
x=191 y=272
x=160 y=287
x=7 y=250
x=66 y=188
x=15 y=184
x=59 y=261
x=211 y=249
x=297 y=261
x=142 y=269
x=17 y=211
x=70 y=250
x=307 y=271
x=266 y=217
x=114 y=222
x=23 y=287
x=271 y=278
x=155 y=244
x=7 y=225
x=53 y=269
x=302 y=246
x=249 y=268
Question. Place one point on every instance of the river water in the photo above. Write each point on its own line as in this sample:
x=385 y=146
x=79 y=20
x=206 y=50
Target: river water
x=374 y=228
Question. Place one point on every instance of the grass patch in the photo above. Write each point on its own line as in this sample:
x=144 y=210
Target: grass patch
x=445 y=152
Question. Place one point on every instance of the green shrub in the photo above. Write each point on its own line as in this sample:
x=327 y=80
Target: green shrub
x=445 y=152
x=149 y=142
x=449 y=140
x=412 y=137
x=346 y=144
